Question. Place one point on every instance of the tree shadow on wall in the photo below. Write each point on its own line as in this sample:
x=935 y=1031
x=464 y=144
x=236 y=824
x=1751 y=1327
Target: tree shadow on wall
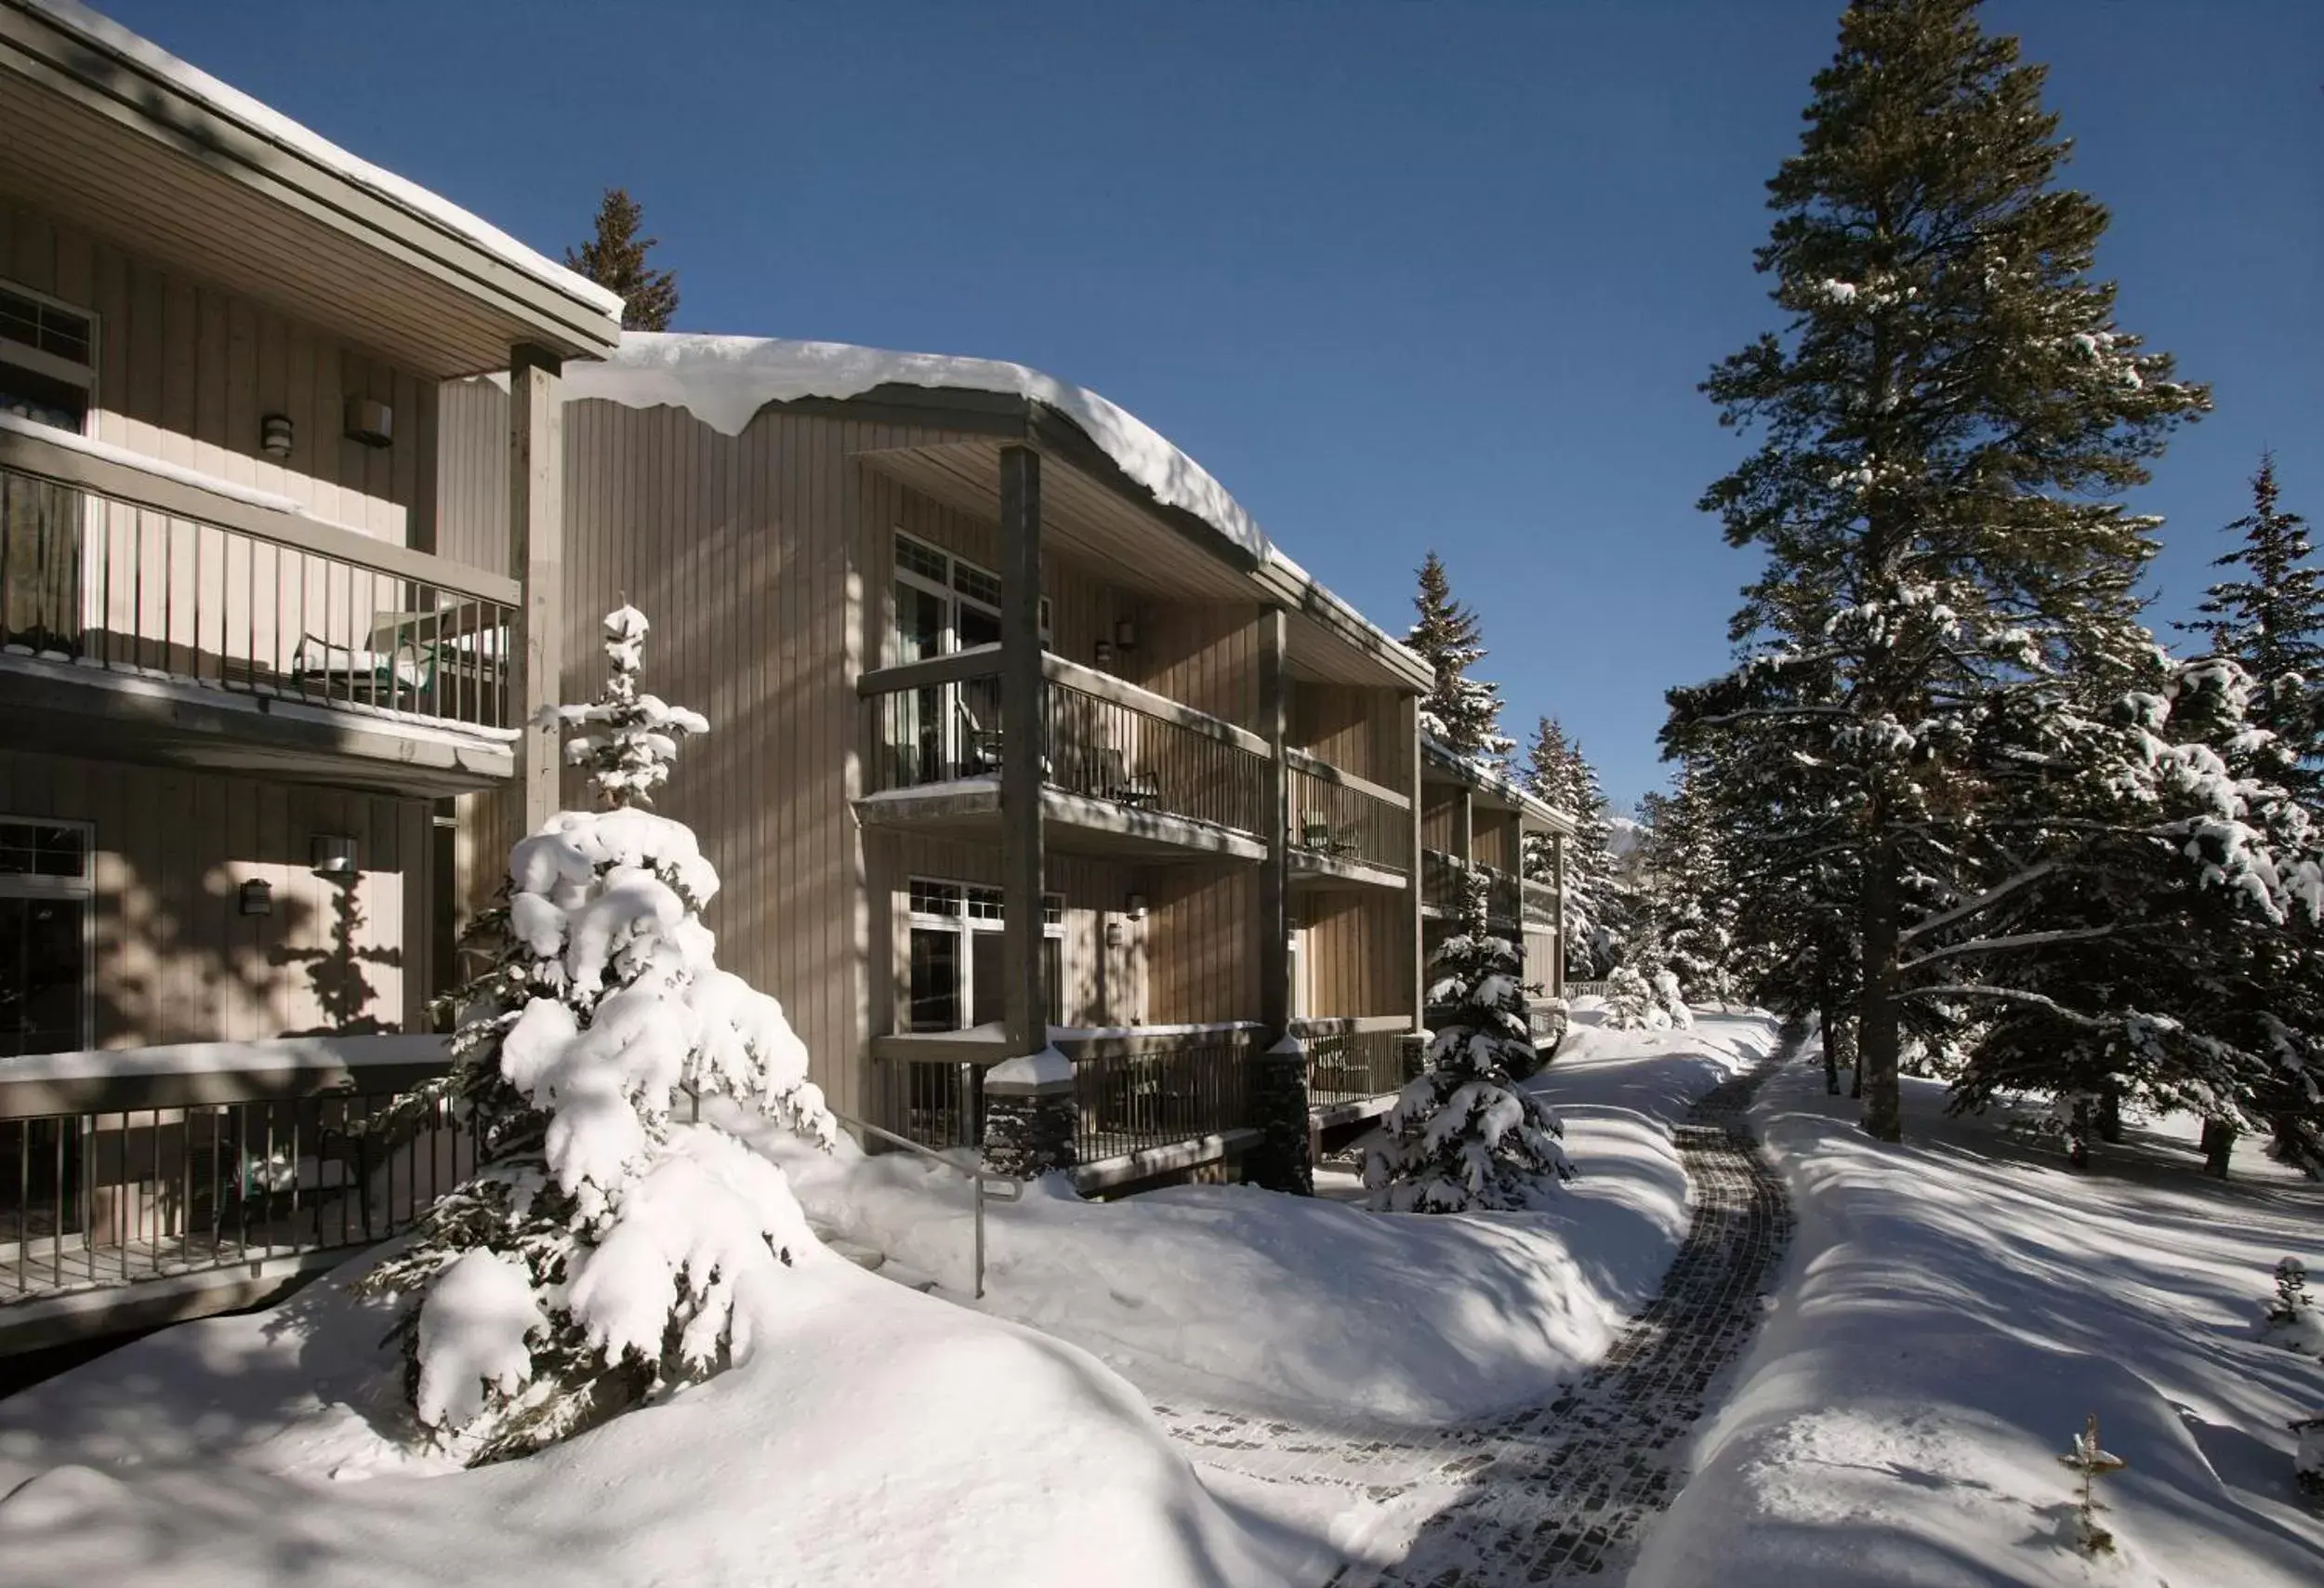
x=339 y=972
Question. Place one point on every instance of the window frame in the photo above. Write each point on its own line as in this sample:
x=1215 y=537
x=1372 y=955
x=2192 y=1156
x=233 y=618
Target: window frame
x=82 y=888
x=56 y=366
x=964 y=921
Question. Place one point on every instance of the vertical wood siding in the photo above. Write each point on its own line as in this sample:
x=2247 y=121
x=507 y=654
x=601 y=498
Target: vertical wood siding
x=175 y=959
x=1440 y=818
x=1354 y=729
x=1356 y=948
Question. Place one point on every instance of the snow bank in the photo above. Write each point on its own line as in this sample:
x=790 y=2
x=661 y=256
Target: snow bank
x=1953 y=1310
x=1313 y=1309
x=877 y=1436
x=725 y=380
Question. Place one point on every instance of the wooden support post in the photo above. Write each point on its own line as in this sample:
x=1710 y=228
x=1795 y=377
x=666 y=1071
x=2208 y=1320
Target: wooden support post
x=1025 y=727
x=537 y=535
x=1275 y=882
x=1556 y=983
x=1415 y=959
x=1465 y=834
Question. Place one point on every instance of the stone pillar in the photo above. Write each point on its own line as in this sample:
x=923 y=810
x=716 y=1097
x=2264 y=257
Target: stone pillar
x=537 y=533
x=1283 y=1160
x=1030 y=1116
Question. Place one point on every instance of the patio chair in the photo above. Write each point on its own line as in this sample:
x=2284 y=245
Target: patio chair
x=351 y=672
x=1110 y=779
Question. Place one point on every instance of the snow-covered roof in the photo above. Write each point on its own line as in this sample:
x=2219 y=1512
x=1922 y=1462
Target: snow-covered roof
x=232 y=105
x=724 y=380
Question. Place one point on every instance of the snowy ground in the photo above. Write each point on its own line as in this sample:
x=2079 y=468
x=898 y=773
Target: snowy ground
x=1242 y=1299
x=1953 y=1310
x=886 y=1435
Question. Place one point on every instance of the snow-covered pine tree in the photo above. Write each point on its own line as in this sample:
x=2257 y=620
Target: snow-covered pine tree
x=603 y=1248
x=1632 y=1002
x=615 y=260
x=1461 y=713
x=1464 y=1135
x=1692 y=893
x=2271 y=622
x=1591 y=907
x=1944 y=420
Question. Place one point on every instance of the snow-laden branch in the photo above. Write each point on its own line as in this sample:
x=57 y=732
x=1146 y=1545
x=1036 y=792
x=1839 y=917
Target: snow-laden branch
x=1977 y=906
x=2001 y=944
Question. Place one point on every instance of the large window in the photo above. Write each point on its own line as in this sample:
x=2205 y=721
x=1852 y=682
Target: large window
x=957 y=965
x=944 y=604
x=47 y=365
x=46 y=894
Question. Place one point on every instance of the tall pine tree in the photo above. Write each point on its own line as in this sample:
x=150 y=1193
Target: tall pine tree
x=1462 y=713
x=1944 y=421
x=615 y=260
x=2271 y=623
x=1590 y=905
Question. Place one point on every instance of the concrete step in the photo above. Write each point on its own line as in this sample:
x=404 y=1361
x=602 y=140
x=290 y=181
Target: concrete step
x=873 y=1261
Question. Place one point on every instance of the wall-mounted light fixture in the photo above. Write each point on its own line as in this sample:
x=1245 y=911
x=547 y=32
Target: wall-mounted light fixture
x=1105 y=653
x=370 y=422
x=1113 y=934
x=334 y=856
x=274 y=435
x=1135 y=906
x=1126 y=634
x=255 y=897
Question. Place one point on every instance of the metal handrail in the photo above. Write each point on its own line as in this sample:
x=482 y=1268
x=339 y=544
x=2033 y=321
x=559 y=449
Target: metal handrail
x=978 y=1180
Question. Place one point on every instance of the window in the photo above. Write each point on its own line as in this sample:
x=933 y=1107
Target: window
x=958 y=968
x=944 y=605
x=45 y=898
x=47 y=366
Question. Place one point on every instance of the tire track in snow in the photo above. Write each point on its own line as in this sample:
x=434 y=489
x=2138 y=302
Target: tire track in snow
x=1557 y=1492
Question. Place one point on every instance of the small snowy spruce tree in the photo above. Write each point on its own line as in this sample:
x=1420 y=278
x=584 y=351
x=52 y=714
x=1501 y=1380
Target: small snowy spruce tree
x=2090 y=1461
x=1632 y=1003
x=603 y=1250
x=2272 y=625
x=1463 y=1136
x=2290 y=1319
x=1461 y=713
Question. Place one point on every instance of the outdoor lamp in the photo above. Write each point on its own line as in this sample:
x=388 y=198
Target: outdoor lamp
x=255 y=897
x=274 y=435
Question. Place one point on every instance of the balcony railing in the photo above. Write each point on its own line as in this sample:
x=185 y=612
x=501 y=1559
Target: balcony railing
x=175 y=1164
x=112 y=562
x=1443 y=887
x=1338 y=815
x=1134 y=1089
x=942 y=721
x=1351 y=1060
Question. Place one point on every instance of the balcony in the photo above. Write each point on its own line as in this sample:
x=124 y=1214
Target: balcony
x=141 y=1186
x=1355 y=1065
x=1125 y=772
x=148 y=613
x=1540 y=903
x=1345 y=829
x=1444 y=883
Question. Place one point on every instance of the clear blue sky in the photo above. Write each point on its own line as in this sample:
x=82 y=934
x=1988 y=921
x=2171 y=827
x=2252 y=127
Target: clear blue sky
x=1399 y=274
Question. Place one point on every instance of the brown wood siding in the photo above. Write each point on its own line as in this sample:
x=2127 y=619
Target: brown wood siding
x=1356 y=952
x=1203 y=653
x=175 y=959
x=1202 y=959
x=1354 y=729
x=1440 y=818
x=185 y=371
x=1495 y=835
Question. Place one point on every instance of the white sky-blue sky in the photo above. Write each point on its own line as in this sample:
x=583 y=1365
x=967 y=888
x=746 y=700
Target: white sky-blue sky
x=1399 y=274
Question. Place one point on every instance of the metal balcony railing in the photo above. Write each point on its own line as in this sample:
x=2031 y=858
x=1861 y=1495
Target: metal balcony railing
x=111 y=562
x=1337 y=815
x=1351 y=1060
x=944 y=720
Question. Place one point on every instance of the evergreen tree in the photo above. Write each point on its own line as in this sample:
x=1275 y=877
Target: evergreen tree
x=603 y=1251
x=1461 y=713
x=1463 y=1134
x=1558 y=773
x=1943 y=423
x=2272 y=624
x=1692 y=894
x=615 y=260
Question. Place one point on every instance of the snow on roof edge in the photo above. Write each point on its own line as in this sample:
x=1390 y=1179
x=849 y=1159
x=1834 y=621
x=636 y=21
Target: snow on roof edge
x=1497 y=782
x=724 y=380
x=266 y=123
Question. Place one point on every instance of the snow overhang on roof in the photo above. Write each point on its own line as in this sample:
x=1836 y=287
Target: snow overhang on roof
x=724 y=381
x=1441 y=763
x=167 y=158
